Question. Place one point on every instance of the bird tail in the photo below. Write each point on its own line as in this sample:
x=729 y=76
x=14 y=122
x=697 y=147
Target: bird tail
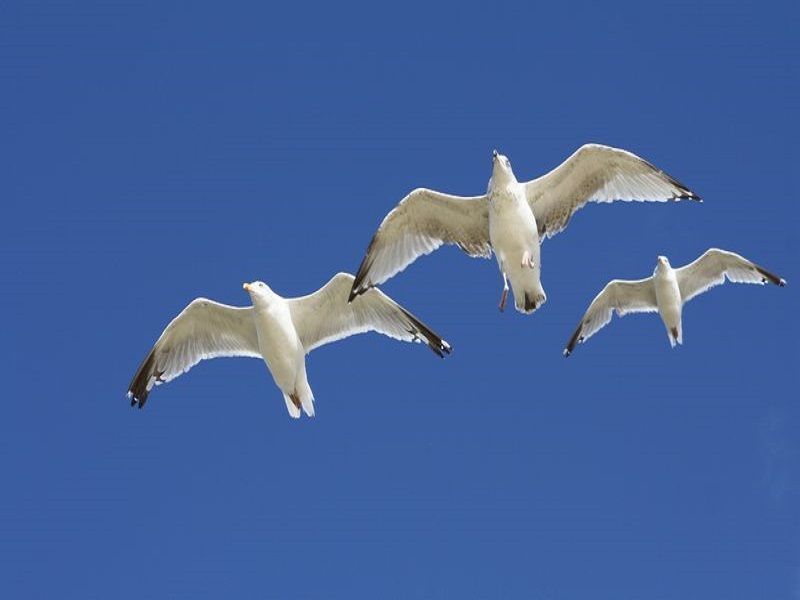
x=292 y=405
x=675 y=335
x=529 y=300
x=302 y=398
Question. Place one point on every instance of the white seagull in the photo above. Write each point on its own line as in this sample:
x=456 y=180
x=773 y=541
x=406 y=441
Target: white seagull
x=667 y=291
x=281 y=331
x=512 y=218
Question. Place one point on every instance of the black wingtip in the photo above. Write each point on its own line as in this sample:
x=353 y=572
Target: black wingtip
x=686 y=193
x=137 y=401
x=359 y=286
x=771 y=277
x=137 y=390
x=434 y=341
x=574 y=339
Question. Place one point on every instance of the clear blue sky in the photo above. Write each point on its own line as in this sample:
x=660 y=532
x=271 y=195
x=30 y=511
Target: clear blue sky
x=155 y=153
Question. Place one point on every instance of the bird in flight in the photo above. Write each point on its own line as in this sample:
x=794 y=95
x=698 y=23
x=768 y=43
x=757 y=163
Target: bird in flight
x=667 y=291
x=280 y=331
x=512 y=218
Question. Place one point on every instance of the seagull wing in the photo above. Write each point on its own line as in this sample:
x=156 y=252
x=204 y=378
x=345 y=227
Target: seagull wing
x=326 y=316
x=714 y=266
x=596 y=173
x=204 y=329
x=618 y=295
x=419 y=224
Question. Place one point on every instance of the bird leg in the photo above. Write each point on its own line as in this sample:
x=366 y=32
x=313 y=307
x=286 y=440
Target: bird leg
x=527 y=260
x=505 y=292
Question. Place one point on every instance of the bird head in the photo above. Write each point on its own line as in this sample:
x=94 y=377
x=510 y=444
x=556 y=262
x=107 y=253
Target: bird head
x=662 y=262
x=258 y=290
x=501 y=170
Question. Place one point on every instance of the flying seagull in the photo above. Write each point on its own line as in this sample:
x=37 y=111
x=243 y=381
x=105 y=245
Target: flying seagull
x=667 y=291
x=512 y=218
x=280 y=331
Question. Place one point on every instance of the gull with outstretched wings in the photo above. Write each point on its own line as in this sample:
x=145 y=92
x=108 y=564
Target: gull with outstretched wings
x=667 y=291
x=281 y=331
x=512 y=218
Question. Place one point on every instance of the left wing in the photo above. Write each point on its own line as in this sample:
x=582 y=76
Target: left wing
x=596 y=173
x=714 y=266
x=326 y=316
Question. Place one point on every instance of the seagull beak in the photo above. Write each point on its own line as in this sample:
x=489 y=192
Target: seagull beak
x=246 y=287
x=494 y=154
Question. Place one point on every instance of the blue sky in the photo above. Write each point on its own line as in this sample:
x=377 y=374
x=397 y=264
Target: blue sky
x=156 y=153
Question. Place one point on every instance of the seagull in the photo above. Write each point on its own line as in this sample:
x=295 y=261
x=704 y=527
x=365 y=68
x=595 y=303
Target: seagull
x=667 y=291
x=512 y=218
x=280 y=331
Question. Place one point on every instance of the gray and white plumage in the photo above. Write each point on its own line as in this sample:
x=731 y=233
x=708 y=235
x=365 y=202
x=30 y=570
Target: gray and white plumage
x=418 y=225
x=596 y=173
x=512 y=218
x=281 y=331
x=667 y=291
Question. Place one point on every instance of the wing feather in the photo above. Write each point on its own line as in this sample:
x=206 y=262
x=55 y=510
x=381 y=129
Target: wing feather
x=327 y=315
x=596 y=173
x=204 y=329
x=418 y=225
x=619 y=295
x=714 y=267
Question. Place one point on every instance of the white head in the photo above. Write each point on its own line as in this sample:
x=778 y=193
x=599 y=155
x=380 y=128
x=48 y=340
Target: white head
x=260 y=292
x=501 y=170
x=662 y=263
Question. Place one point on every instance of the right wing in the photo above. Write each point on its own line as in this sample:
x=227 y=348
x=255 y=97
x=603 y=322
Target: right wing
x=204 y=329
x=326 y=316
x=419 y=224
x=624 y=297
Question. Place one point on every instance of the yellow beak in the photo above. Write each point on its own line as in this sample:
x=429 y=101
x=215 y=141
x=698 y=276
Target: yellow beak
x=246 y=287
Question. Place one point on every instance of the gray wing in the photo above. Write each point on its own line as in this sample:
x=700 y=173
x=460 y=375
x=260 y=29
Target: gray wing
x=419 y=224
x=618 y=295
x=714 y=266
x=327 y=315
x=204 y=329
x=596 y=173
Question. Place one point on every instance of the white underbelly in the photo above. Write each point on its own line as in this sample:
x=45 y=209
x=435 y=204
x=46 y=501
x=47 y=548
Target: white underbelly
x=668 y=296
x=280 y=347
x=512 y=230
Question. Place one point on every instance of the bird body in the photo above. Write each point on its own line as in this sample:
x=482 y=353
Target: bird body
x=281 y=349
x=515 y=239
x=280 y=331
x=668 y=299
x=667 y=291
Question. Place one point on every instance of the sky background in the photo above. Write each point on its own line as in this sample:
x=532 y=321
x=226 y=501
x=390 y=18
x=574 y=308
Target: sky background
x=155 y=152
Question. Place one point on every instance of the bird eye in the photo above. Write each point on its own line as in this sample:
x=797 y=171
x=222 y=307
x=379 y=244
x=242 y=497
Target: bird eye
x=508 y=163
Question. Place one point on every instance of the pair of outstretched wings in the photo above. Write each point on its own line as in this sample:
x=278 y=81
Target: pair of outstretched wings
x=625 y=297
x=207 y=329
x=426 y=219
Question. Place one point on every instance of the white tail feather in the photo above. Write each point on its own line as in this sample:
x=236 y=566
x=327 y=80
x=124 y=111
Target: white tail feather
x=294 y=411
